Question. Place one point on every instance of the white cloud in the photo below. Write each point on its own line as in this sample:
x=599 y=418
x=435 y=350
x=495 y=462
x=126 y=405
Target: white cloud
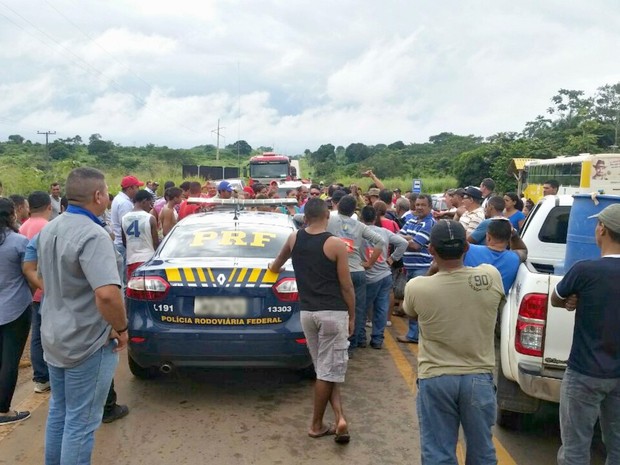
x=301 y=74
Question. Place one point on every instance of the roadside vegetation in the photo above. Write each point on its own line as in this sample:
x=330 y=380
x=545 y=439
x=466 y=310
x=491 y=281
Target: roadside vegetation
x=574 y=123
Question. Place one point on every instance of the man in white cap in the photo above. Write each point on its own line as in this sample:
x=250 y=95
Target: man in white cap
x=591 y=384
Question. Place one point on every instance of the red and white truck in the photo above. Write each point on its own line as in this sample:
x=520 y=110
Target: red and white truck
x=271 y=166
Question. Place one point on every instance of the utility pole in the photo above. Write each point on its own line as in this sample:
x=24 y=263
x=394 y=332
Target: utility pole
x=217 y=131
x=47 y=134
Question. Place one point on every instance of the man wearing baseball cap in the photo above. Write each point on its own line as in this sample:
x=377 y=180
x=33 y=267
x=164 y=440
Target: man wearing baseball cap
x=591 y=383
x=224 y=190
x=122 y=204
x=474 y=214
x=456 y=311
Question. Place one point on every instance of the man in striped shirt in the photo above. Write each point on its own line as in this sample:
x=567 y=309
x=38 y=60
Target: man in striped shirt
x=417 y=259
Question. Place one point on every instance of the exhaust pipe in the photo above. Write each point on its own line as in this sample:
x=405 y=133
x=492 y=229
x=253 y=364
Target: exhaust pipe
x=166 y=367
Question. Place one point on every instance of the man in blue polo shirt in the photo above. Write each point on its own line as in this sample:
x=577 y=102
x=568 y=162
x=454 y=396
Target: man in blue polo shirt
x=417 y=259
x=591 y=384
x=499 y=236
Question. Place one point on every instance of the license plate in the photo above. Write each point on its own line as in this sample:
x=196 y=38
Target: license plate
x=221 y=306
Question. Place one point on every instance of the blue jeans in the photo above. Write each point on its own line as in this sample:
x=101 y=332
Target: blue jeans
x=581 y=399
x=122 y=250
x=413 y=332
x=378 y=298
x=76 y=407
x=40 y=373
x=446 y=401
x=359 y=284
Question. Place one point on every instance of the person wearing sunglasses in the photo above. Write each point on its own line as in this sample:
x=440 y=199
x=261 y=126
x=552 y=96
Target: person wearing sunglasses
x=474 y=214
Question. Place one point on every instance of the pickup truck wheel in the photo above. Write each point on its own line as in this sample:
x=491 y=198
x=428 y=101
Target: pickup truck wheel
x=141 y=372
x=510 y=395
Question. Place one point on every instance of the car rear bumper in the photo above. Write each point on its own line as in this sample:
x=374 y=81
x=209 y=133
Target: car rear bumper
x=541 y=383
x=219 y=350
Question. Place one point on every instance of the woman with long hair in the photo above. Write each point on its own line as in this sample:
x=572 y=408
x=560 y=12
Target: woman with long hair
x=381 y=221
x=512 y=210
x=15 y=311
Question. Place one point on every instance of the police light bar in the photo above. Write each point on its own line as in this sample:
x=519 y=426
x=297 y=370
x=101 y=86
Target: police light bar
x=242 y=202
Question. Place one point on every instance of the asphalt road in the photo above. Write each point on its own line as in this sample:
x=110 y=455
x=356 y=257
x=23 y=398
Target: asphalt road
x=262 y=416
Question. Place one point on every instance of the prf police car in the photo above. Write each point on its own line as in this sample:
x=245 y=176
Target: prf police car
x=206 y=298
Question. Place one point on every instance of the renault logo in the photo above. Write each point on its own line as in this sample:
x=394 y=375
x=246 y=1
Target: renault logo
x=221 y=279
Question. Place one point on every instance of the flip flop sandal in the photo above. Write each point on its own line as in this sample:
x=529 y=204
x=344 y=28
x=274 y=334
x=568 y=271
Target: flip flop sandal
x=329 y=431
x=342 y=438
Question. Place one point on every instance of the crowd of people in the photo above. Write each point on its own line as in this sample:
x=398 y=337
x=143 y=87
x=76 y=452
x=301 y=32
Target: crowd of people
x=63 y=279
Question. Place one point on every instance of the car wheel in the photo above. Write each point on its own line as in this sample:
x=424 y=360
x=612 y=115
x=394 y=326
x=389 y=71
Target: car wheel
x=141 y=372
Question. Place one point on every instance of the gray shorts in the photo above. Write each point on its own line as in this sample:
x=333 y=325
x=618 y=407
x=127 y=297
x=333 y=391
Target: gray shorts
x=327 y=333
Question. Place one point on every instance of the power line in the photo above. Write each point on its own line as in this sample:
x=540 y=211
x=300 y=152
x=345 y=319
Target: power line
x=88 y=67
x=217 y=147
x=47 y=134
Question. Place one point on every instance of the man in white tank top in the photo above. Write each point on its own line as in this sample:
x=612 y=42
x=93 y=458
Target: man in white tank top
x=139 y=230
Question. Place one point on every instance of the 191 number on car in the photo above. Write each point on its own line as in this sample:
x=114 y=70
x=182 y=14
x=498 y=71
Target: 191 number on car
x=163 y=307
x=280 y=309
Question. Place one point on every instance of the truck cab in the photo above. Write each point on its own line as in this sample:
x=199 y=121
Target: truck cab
x=536 y=337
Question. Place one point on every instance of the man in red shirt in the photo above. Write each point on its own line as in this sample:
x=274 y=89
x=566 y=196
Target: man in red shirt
x=40 y=212
x=186 y=209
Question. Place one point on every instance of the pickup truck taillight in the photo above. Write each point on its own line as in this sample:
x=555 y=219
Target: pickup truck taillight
x=147 y=288
x=531 y=324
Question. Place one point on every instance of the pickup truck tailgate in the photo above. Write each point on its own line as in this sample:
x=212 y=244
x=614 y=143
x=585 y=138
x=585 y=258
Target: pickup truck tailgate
x=558 y=331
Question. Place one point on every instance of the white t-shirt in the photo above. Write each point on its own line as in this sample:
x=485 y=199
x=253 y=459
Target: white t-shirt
x=56 y=207
x=137 y=228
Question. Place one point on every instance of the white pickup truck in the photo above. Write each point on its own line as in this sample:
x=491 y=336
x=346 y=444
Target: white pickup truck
x=536 y=337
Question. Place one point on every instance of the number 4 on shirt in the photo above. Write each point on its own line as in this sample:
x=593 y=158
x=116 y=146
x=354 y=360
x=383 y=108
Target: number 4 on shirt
x=133 y=229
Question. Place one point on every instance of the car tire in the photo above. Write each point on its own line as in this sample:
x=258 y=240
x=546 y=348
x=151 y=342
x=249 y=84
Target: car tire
x=141 y=372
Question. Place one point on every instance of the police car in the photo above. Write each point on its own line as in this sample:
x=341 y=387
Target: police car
x=206 y=298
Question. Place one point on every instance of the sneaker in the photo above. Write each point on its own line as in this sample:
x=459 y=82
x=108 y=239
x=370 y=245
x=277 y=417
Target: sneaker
x=13 y=417
x=376 y=345
x=388 y=324
x=368 y=324
x=117 y=412
x=41 y=387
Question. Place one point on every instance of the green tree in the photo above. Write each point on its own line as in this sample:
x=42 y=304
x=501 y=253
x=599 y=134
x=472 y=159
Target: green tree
x=356 y=152
x=241 y=147
x=16 y=139
x=471 y=167
x=323 y=153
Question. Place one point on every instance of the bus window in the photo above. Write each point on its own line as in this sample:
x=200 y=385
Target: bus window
x=575 y=174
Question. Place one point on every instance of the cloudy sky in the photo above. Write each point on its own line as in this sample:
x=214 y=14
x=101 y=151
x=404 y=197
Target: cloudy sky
x=295 y=74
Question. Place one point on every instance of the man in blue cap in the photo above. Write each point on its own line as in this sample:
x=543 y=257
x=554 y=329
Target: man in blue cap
x=224 y=190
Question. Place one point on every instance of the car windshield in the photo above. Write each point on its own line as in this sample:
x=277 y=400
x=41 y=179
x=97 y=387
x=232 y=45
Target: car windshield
x=221 y=241
x=269 y=170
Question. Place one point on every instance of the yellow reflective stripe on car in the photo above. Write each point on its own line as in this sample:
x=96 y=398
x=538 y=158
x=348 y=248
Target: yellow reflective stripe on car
x=254 y=275
x=173 y=275
x=189 y=275
x=242 y=274
x=270 y=277
x=201 y=277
